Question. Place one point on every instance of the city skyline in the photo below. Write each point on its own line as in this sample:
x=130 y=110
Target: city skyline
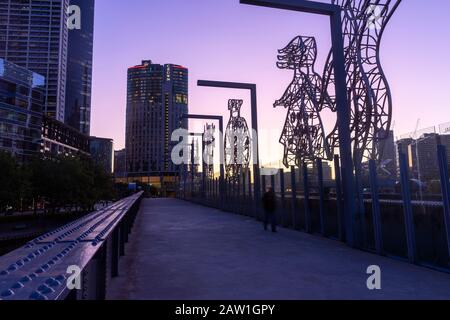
x=235 y=47
x=189 y=188
x=36 y=35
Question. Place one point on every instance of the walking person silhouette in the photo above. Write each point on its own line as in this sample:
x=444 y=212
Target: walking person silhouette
x=270 y=206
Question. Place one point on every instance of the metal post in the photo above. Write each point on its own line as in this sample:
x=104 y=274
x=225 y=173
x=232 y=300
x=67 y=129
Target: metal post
x=361 y=207
x=343 y=119
x=340 y=210
x=321 y=196
x=445 y=187
x=179 y=181
x=283 y=196
x=203 y=169
x=263 y=184
x=228 y=193
x=250 y=196
x=216 y=191
x=249 y=185
x=115 y=253
x=126 y=224
x=233 y=194
x=238 y=195
x=308 y=225
x=376 y=214
x=209 y=188
x=100 y=273
x=185 y=180
x=192 y=169
x=225 y=192
x=272 y=182
x=244 y=187
x=122 y=239
x=294 y=197
x=407 y=207
x=244 y=196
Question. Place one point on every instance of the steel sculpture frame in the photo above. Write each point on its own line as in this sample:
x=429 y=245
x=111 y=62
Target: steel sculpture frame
x=220 y=120
x=209 y=142
x=334 y=12
x=303 y=136
x=236 y=143
x=255 y=143
x=369 y=94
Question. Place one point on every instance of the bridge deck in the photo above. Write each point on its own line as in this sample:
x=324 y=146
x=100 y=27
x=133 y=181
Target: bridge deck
x=180 y=250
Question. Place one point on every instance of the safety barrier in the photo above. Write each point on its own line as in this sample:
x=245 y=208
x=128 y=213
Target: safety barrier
x=74 y=262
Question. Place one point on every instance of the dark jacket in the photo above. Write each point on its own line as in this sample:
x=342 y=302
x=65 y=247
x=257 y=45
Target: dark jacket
x=269 y=202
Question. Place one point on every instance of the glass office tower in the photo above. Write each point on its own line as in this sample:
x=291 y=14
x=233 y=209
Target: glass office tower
x=21 y=105
x=102 y=150
x=157 y=98
x=34 y=35
x=79 y=70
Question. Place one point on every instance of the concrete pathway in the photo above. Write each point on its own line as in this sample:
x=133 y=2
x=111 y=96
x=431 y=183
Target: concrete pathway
x=181 y=251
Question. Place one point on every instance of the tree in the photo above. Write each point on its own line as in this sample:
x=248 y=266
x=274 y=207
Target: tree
x=62 y=182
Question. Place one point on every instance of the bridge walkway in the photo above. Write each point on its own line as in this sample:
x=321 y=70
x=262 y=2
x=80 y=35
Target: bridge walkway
x=182 y=251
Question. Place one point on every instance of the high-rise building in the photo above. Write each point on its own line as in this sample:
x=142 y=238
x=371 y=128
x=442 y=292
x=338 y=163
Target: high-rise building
x=34 y=35
x=327 y=172
x=102 y=150
x=58 y=139
x=120 y=164
x=388 y=153
x=157 y=98
x=21 y=104
x=79 y=69
x=423 y=156
x=402 y=146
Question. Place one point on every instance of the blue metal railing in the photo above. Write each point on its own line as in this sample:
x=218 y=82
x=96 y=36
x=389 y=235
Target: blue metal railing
x=92 y=245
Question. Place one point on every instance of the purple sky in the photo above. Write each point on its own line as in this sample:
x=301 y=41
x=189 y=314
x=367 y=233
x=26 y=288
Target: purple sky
x=223 y=40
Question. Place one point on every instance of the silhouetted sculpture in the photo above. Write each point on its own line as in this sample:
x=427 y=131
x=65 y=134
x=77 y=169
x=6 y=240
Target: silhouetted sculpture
x=237 y=142
x=303 y=135
x=363 y=25
x=210 y=143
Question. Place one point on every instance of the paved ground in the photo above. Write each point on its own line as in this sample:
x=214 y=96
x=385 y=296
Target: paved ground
x=182 y=251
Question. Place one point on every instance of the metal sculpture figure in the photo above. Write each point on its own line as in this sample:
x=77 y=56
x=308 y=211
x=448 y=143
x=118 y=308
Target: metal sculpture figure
x=209 y=141
x=303 y=135
x=237 y=142
x=364 y=23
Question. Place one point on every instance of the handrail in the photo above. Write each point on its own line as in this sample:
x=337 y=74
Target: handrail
x=91 y=244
